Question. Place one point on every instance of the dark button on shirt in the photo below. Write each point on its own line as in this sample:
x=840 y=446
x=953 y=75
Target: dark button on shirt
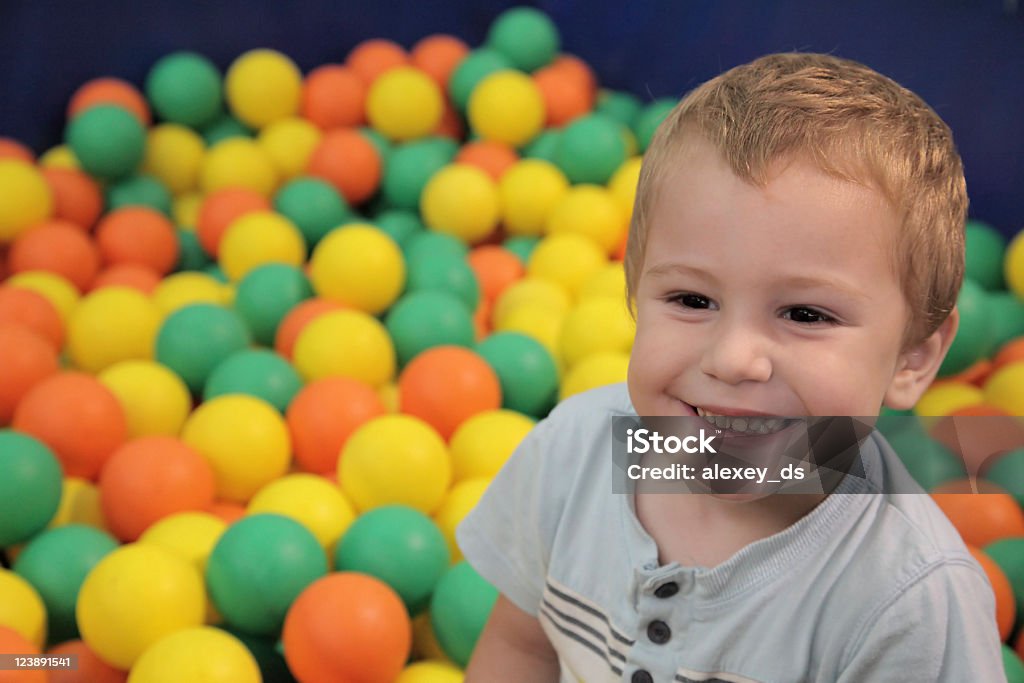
x=659 y=632
x=666 y=590
x=641 y=676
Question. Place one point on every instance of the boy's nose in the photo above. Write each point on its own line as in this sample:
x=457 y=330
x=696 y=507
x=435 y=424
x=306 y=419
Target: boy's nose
x=736 y=352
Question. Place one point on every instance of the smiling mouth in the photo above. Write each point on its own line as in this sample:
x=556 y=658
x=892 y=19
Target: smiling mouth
x=752 y=425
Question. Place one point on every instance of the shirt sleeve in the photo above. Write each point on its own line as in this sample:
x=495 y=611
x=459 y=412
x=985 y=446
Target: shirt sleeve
x=941 y=629
x=508 y=536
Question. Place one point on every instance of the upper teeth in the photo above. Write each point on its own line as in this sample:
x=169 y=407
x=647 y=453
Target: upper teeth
x=748 y=424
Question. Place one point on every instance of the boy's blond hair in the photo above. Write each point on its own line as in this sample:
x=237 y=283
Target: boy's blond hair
x=852 y=123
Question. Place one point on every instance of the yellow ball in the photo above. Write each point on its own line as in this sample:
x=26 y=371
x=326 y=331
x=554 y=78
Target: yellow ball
x=186 y=288
x=944 y=398
x=534 y=292
x=310 y=500
x=595 y=371
x=244 y=439
x=430 y=672
x=358 y=265
x=1013 y=265
x=259 y=238
x=60 y=156
x=424 y=642
x=388 y=393
x=596 y=324
x=174 y=155
x=537 y=321
x=189 y=535
x=461 y=200
x=404 y=103
x=610 y=282
x=186 y=210
x=507 y=107
x=289 y=143
x=456 y=505
x=156 y=401
x=482 y=444
x=567 y=259
x=1005 y=388
x=263 y=86
x=622 y=185
x=79 y=504
x=238 y=162
x=529 y=190
x=590 y=211
x=21 y=608
x=25 y=197
x=346 y=344
x=135 y=596
x=196 y=654
x=395 y=459
x=111 y=325
x=58 y=290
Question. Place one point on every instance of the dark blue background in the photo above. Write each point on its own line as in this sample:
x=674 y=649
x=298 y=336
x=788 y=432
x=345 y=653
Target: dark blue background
x=965 y=58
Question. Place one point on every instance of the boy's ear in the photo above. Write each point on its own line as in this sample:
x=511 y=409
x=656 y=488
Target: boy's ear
x=917 y=366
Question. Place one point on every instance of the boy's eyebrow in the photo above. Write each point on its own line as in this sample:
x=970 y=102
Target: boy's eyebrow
x=792 y=281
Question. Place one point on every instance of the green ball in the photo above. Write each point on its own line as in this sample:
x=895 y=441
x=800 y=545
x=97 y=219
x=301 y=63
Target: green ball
x=522 y=247
x=314 y=205
x=400 y=546
x=648 y=120
x=619 y=105
x=459 y=609
x=56 y=563
x=1008 y=553
x=1007 y=470
x=1012 y=665
x=446 y=273
x=434 y=245
x=194 y=339
x=410 y=168
x=928 y=461
x=474 y=67
x=30 y=487
x=257 y=569
x=526 y=36
x=214 y=270
x=185 y=88
x=378 y=139
x=256 y=372
x=527 y=372
x=544 y=146
x=973 y=339
x=400 y=224
x=265 y=296
x=985 y=248
x=1006 y=313
x=108 y=141
x=422 y=320
x=223 y=127
x=591 y=149
x=191 y=255
x=140 y=190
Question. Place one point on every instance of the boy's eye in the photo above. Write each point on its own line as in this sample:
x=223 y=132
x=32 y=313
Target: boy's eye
x=803 y=314
x=691 y=300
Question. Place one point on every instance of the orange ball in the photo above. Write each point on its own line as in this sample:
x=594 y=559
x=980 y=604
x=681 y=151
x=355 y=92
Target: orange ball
x=13 y=642
x=446 y=385
x=139 y=235
x=77 y=417
x=981 y=518
x=220 y=209
x=980 y=410
x=347 y=628
x=33 y=310
x=26 y=359
x=150 y=478
x=333 y=96
x=482 y=320
x=975 y=374
x=1006 y=603
x=12 y=149
x=566 y=95
x=297 y=319
x=60 y=247
x=76 y=196
x=370 y=58
x=91 y=669
x=139 y=278
x=495 y=268
x=227 y=511
x=110 y=91
x=323 y=415
x=1010 y=352
x=579 y=70
x=490 y=155
x=349 y=161
x=438 y=56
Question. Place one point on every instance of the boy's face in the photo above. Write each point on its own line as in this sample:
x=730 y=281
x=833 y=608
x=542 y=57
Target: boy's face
x=779 y=300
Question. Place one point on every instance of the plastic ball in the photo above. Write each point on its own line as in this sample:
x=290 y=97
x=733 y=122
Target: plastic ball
x=619 y=105
x=985 y=249
x=591 y=149
x=109 y=91
x=26 y=359
x=12 y=149
x=529 y=192
x=404 y=103
x=138 y=235
x=973 y=339
x=222 y=128
x=609 y=282
x=507 y=106
x=399 y=224
x=395 y=459
x=346 y=344
x=220 y=209
x=425 y=319
x=129 y=275
x=371 y=59
x=79 y=504
x=185 y=88
x=56 y=563
x=61 y=294
x=1006 y=604
x=591 y=211
x=544 y=146
x=295 y=322
x=1005 y=388
x=108 y=141
x=333 y=96
x=259 y=238
x=566 y=98
x=446 y=273
x=596 y=370
x=238 y=162
x=193 y=340
x=314 y=206
x=1008 y=553
x=135 y=596
x=193 y=654
x=459 y=609
x=526 y=369
x=482 y=444
x=461 y=200
x=358 y=266
x=494 y=158
x=77 y=417
x=112 y=325
x=350 y=162
x=462 y=498
x=446 y=385
x=59 y=156
x=30 y=309
x=76 y=197
x=13 y=641
x=980 y=519
x=311 y=500
x=190 y=535
x=622 y=185
x=255 y=372
x=174 y=155
x=56 y=246
x=577 y=339
x=648 y=120
x=90 y=669
x=266 y=295
x=430 y=244
x=525 y=35
x=25 y=197
x=538 y=322
x=259 y=567
x=30 y=489
x=496 y=269
x=262 y=86
x=430 y=672
x=289 y=143
x=400 y=546
x=184 y=289
x=474 y=68
x=944 y=398
x=438 y=55
x=566 y=259
x=140 y=190
x=411 y=166
x=1013 y=266
x=1005 y=470
x=1007 y=321
x=245 y=440
x=21 y=608
x=347 y=628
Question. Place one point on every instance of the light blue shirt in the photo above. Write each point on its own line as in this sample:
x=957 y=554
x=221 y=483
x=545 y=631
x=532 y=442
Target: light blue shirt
x=869 y=587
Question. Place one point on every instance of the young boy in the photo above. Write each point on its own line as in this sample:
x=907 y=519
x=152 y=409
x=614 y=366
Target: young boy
x=796 y=250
